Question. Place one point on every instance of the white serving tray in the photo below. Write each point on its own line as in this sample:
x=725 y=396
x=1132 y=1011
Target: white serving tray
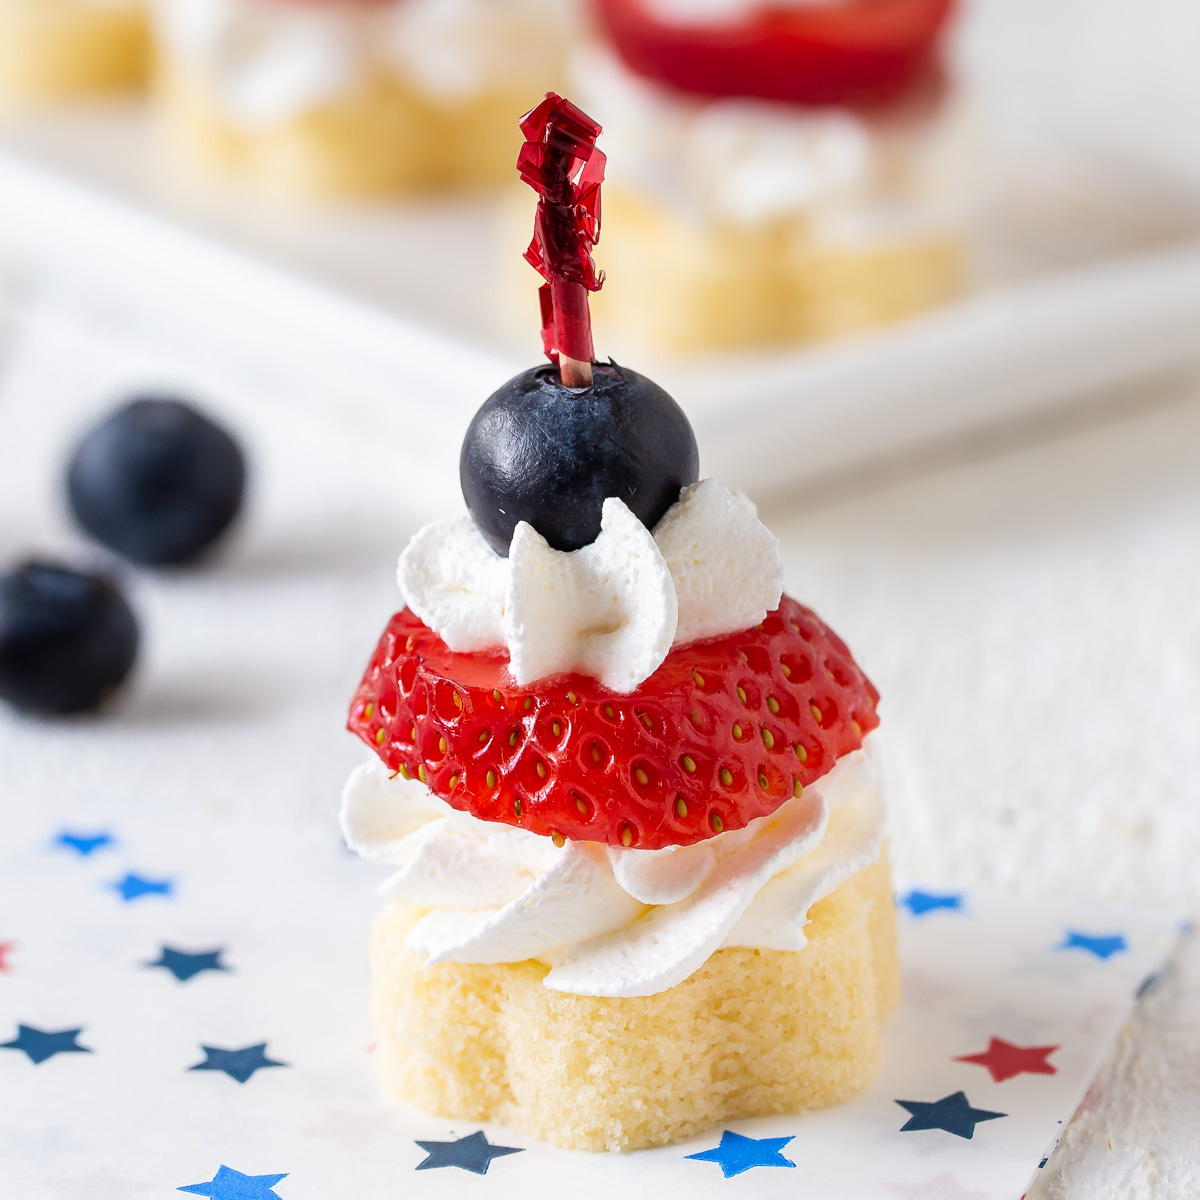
x=1088 y=278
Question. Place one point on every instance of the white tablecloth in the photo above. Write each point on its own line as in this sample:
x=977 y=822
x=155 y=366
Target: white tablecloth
x=1027 y=605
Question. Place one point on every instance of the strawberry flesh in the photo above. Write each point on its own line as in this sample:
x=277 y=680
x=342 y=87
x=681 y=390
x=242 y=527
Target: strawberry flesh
x=723 y=732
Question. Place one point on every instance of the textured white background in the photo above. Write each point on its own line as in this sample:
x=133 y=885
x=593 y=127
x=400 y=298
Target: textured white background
x=1028 y=603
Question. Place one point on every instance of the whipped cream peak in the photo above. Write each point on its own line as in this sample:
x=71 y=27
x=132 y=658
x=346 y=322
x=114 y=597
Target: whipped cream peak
x=612 y=610
x=608 y=610
x=724 y=561
x=453 y=580
x=380 y=810
x=610 y=921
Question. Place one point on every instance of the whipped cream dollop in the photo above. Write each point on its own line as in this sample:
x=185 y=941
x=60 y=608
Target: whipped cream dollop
x=612 y=610
x=270 y=61
x=610 y=921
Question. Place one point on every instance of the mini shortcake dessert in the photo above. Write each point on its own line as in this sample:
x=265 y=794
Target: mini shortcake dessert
x=54 y=50
x=629 y=787
x=354 y=96
x=784 y=170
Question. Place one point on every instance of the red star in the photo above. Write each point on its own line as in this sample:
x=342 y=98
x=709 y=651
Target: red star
x=1004 y=1060
x=6 y=948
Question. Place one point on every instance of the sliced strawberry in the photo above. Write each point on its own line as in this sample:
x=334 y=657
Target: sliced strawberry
x=723 y=732
x=859 y=52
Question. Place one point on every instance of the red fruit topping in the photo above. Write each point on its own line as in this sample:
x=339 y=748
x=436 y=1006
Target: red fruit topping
x=559 y=160
x=723 y=732
x=862 y=52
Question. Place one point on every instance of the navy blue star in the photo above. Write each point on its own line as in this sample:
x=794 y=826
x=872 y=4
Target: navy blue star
x=228 y=1184
x=736 y=1153
x=82 y=843
x=237 y=1064
x=41 y=1044
x=183 y=965
x=134 y=886
x=473 y=1153
x=953 y=1113
x=1102 y=945
x=919 y=903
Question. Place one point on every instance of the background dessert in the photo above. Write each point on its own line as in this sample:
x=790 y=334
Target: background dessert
x=354 y=96
x=780 y=175
x=615 y=766
x=58 y=49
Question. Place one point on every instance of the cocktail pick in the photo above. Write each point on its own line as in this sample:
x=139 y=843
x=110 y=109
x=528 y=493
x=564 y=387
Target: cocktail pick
x=559 y=160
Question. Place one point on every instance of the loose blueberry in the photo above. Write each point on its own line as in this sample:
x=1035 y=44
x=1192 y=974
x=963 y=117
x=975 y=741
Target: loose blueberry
x=541 y=452
x=67 y=639
x=157 y=482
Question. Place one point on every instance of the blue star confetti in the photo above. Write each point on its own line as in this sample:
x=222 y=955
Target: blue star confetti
x=228 y=1184
x=1103 y=946
x=184 y=966
x=919 y=903
x=83 y=843
x=134 y=887
x=473 y=1153
x=953 y=1113
x=237 y=1064
x=41 y=1044
x=736 y=1153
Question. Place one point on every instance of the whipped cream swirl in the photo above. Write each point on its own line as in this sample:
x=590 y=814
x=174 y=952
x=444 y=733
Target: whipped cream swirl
x=613 y=609
x=610 y=921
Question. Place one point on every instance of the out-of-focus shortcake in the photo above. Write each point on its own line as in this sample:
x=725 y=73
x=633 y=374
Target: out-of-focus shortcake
x=354 y=97
x=54 y=50
x=782 y=170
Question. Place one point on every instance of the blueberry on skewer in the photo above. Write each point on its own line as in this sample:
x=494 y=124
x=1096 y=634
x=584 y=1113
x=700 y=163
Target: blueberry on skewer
x=556 y=441
x=540 y=452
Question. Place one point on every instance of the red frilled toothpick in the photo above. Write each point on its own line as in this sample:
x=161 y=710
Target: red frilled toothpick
x=559 y=160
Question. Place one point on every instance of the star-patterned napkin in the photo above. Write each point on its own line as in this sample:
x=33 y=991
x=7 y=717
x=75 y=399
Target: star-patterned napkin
x=192 y=1020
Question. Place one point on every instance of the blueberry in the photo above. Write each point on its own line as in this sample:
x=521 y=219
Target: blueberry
x=67 y=639
x=156 y=481
x=543 y=453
